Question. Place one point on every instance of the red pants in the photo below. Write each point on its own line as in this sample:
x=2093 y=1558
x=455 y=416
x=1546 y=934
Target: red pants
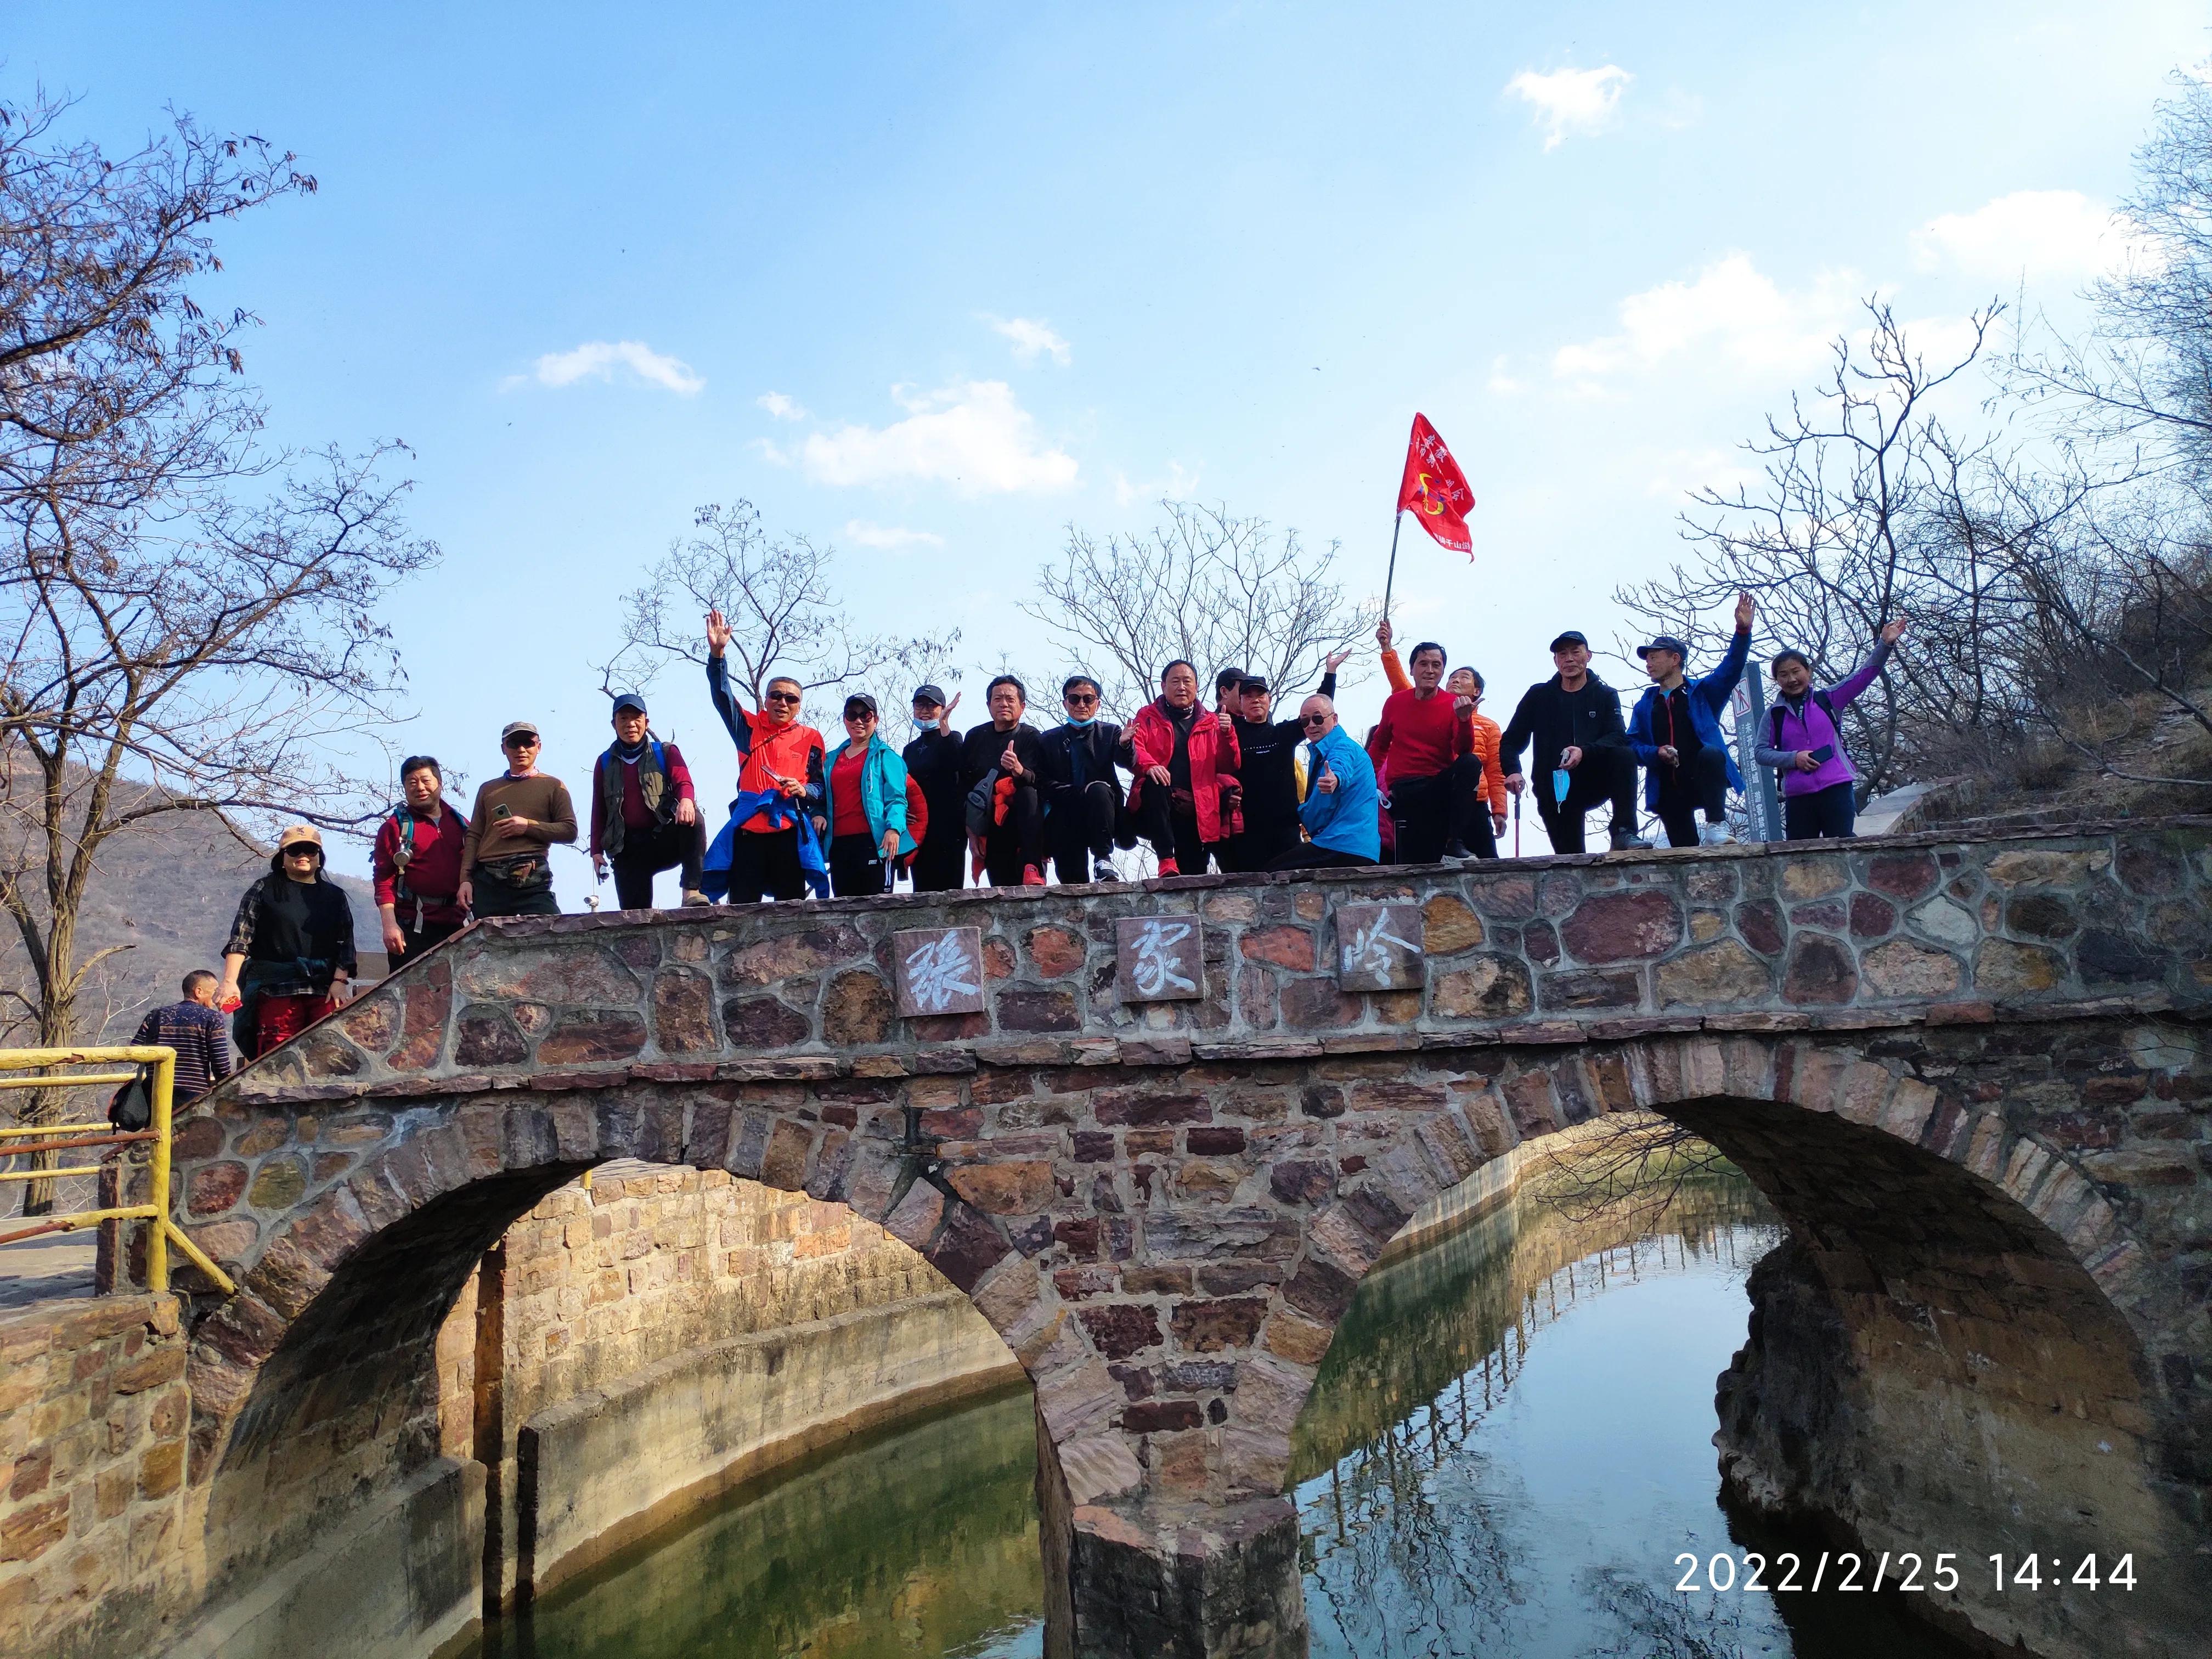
x=279 y=1019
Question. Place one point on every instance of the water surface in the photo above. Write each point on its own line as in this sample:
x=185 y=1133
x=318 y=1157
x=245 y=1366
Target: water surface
x=1509 y=1444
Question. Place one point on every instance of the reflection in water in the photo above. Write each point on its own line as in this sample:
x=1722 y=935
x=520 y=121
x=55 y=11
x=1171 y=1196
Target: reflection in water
x=1509 y=1442
x=923 y=1542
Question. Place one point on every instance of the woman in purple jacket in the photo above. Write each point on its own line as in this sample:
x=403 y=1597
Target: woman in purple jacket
x=1803 y=736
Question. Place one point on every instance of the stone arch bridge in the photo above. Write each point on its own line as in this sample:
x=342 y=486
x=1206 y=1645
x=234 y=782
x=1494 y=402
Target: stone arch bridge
x=1158 y=1132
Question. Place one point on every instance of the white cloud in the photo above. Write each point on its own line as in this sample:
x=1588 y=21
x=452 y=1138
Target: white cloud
x=1032 y=338
x=1571 y=100
x=1732 y=313
x=891 y=538
x=597 y=360
x=971 y=434
x=1502 y=383
x=2035 y=233
x=783 y=407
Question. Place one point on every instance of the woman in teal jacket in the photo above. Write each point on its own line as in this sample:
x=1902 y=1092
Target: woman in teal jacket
x=863 y=805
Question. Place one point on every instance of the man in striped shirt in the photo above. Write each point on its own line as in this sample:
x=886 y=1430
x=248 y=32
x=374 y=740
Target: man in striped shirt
x=195 y=1030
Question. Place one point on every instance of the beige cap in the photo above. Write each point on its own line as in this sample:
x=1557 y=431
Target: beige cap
x=297 y=834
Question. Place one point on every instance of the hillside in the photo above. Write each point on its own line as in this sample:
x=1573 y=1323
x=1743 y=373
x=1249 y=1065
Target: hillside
x=168 y=889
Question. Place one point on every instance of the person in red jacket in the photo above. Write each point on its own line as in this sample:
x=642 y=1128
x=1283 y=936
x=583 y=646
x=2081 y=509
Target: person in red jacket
x=416 y=865
x=1183 y=798
x=1421 y=734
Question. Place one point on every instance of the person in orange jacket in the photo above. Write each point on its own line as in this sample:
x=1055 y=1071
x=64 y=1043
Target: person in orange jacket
x=1477 y=785
x=1183 y=798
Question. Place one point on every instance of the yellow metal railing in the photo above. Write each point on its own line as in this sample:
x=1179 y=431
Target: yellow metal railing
x=161 y=1231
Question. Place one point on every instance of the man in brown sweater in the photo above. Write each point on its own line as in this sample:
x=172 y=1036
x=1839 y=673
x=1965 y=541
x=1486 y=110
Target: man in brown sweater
x=517 y=816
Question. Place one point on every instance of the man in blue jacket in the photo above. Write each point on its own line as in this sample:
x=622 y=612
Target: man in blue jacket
x=1342 y=811
x=1676 y=733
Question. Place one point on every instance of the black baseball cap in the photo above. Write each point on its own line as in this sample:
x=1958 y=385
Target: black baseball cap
x=1572 y=636
x=863 y=699
x=1227 y=677
x=629 y=700
x=1251 y=682
x=1663 y=642
x=929 y=693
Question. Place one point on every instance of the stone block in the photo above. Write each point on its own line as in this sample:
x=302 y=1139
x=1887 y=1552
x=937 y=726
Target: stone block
x=1207 y=1327
x=938 y=971
x=1282 y=946
x=1623 y=927
x=1821 y=972
x=1448 y=926
x=1489 y=987
x=1119 y=1329
x=1904 y=968
x=1379 y=947
x=1020 y=1187
x=1159 y=958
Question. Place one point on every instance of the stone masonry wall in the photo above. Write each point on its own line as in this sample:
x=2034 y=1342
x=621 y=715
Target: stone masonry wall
x=647 y=1262
x=93 y=1413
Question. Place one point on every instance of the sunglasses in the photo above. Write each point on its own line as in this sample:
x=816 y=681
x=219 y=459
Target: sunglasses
x=1313 y=719
x=522 y=743
x=301 y=852
x=1079 y=700
x=783 y=696
x=858 y=717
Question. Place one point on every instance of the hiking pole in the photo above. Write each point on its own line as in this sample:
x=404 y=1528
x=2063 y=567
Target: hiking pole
x=1516 y=824
x=1391 y=575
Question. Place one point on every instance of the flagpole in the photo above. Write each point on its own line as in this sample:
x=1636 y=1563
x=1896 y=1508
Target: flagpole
x=1396 y=524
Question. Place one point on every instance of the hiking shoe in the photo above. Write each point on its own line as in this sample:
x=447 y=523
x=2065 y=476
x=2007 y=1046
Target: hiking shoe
x=1627 y=841
x=1031 y=876
x=1456 y=852
x=1715 y=835
x=1103 y=870
x=1168 y=867
x=693 y=896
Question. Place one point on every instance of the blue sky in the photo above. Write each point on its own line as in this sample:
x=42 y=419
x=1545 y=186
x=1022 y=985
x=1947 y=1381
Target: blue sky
x=1000 y=268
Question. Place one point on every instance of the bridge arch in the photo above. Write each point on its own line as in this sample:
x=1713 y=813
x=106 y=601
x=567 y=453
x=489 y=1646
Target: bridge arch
x=1164 y=1210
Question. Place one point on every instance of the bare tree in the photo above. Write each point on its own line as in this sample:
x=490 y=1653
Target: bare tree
x=176 y=634
x=2144 y=373
x=1848 y=529
x=779 y=597
x=1222 y=590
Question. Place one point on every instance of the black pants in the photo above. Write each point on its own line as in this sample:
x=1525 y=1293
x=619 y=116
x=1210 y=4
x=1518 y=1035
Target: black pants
x=1314 y=856
x=856 y=866
x=1016 y=841
x=937 y=867
x=1420 y=818
x=1262 y=840
x=1080 y=828
x=646 y=853
x=765 y=864
x=1174 y=834
x=1832 y=812
x=492 y=893
x=1698 y=784
x=413 y=944
x=1469 y=813
x=1605 y=775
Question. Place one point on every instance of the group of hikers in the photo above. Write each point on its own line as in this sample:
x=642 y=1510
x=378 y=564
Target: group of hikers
x=1231 y=788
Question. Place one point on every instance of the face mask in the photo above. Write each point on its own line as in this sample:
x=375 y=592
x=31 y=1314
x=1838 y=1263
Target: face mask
x=1083 y=724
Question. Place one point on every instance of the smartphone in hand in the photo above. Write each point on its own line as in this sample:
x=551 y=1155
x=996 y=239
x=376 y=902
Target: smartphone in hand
x=1824 y=754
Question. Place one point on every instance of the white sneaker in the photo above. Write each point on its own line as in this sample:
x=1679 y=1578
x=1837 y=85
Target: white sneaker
x=1715 y=835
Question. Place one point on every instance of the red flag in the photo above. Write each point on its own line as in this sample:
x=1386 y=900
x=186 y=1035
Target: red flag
x=1434 y=490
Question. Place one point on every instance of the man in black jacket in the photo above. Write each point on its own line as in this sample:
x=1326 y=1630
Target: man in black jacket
x=1006 y=752
x=934 y=761
x=1267 y=767
x=1082 y=793
x=1574 y=718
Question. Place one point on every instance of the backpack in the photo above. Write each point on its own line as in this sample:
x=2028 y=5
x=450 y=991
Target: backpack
x=1774 y=725
x=403 y=820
